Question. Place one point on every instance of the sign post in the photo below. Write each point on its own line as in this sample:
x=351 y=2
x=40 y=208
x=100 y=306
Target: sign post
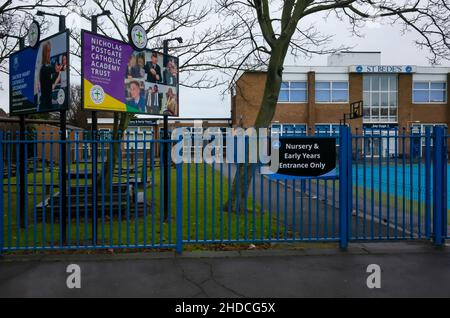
x=126 y=77
x=63 y=118
x=63 y=128
x=23 y=160
x=94 y=137
x=39 y=83
x=165 y=146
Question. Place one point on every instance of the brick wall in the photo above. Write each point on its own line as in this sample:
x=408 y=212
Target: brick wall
x=250 y=88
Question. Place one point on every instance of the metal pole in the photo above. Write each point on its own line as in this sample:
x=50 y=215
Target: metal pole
x=179 y=243
x=62 y=23
x=166 y=151
x=23 y=172
x=343 y=187
x=63 y=119
x=94 y=128
x=94 y=178
x=22 y=159
x=439 y=187
x=166 y=167
x=64 y=175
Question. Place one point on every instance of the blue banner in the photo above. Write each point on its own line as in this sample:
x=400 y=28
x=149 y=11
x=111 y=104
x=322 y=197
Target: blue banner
x=39 y=77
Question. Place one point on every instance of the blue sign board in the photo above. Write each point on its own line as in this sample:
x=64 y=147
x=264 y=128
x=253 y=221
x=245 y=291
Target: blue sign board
x=306 y=158
x=39 y=77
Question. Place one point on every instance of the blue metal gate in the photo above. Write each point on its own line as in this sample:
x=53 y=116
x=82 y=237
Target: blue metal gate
x=400 y=195
x=395 y=192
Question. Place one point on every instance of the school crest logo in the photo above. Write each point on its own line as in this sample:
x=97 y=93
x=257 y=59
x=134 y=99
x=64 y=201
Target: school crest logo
x=97 y=94
x=61 y=97
x=139 y=37
x=34 y=34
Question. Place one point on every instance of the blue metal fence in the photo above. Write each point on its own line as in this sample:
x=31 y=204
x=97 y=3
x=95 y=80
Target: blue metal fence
x=386 y=190
x=125 y=214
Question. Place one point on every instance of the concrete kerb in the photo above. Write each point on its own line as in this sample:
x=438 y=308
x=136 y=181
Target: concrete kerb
x=378 y=248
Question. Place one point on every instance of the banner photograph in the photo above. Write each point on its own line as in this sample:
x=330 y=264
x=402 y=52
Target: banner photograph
x=118 y=78
x=39 y=77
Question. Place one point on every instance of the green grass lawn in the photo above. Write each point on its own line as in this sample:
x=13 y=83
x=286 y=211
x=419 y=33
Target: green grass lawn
x=204 y=219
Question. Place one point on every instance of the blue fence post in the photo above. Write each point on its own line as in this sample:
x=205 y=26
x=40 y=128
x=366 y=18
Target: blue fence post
x=349 y=182
x=445 y=184
x=179 y=191
x=439 y=166
x=428 y=192
x=1 y=196
x=343 y=186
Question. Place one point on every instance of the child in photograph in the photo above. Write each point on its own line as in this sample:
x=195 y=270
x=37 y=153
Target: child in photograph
x=62 y=76
x=48 y=76
x=154 y=100
x=136 y=103
x=171 y=104
x=153 y=70
x=170 y=73
x=141 y=66
x=133 y=70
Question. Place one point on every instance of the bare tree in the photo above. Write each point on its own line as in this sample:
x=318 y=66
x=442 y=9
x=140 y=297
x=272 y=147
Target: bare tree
x=201 y=51
x=206 y=43
x=15 y=16
x=272 y=29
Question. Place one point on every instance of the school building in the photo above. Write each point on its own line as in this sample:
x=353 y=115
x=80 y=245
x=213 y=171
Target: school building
x=141 y=129
x=315 y=98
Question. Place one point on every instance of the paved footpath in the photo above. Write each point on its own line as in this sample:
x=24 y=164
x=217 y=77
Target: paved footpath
x=408 y=270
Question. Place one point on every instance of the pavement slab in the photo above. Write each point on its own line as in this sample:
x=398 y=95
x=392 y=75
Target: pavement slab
x=408 y=270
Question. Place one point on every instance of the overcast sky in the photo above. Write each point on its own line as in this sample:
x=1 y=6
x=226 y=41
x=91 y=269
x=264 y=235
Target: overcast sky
x=396 y=48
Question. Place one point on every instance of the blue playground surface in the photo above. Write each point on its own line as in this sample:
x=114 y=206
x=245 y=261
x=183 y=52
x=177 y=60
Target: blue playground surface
x=410 y=180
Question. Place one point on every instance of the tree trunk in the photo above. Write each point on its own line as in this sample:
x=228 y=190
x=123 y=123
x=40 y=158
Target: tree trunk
x=121 y=122
x=240 y=186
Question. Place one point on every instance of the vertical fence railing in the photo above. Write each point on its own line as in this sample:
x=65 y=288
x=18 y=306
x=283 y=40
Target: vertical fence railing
x=393 y=185
x=440 y=186
x=231 y=202
x=124 y=214
x=390 y=187
x=446 y=199
x=345 y=184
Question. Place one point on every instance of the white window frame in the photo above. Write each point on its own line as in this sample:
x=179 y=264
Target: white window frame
x=295 y=89
x=149 y=135
x=330 y=132
x=422 y=131
x=390 y=119
x=429 y=90
x=330 y=126
x=281 y=133
x=331 y=92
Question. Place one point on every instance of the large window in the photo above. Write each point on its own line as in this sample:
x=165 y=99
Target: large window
x=289 y=130
x=135 y=136
x=293 y=92
x=105 y=134
x=327 y=130
x=380 y=98
x=429 y=92
x=331 y=92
